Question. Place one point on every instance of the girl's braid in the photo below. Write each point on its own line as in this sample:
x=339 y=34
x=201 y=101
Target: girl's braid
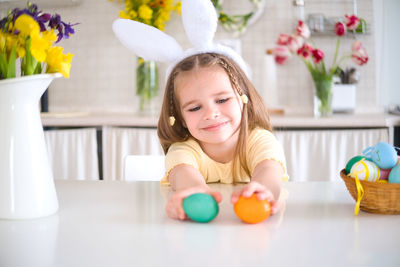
x=228 y=69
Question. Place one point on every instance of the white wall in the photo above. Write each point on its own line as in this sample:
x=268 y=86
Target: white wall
x=387 y=50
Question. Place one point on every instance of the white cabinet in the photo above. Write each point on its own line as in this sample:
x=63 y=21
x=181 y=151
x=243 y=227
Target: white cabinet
x=73 y=153
x=310 y=154
x=121 y=141
x=320 y=154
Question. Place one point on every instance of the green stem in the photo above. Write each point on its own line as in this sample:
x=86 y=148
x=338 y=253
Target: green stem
x=336 y=51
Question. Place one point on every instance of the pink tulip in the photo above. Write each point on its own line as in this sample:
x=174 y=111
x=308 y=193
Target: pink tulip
x=352 y=22
x=282 y=54
x=302 y=30
x=340 y=29
x=283 y=39
x=317 y=55
x=294 y=43
x=305 y=51
x=360 y=56
x=357 y=45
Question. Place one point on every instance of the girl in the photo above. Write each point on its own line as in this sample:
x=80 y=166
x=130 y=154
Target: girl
x=214 y=127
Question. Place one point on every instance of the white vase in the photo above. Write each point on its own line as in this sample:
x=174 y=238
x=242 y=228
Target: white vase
x=26 y=181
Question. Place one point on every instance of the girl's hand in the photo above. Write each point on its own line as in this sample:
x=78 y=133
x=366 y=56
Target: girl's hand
x=174 y=208
x=261 y=192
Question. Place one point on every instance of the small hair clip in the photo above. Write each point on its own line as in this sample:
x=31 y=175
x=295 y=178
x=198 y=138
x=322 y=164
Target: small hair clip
x=171 y=120
x=244 y=98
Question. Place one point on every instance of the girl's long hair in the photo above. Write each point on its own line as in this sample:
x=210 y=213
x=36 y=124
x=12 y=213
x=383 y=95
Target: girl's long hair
x=254 y=113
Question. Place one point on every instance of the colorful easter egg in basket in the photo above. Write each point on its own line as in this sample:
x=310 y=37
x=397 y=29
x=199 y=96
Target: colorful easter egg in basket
x=365 y=170
x=252 y=210
x=384 y=174
x=382 y=154
x=200 y=207
x=351 y=162
x=394 y=176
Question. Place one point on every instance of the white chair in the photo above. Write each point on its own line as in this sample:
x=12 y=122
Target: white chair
x=144 y=167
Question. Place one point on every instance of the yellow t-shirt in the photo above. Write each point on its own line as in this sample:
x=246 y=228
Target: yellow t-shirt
x=261 y=145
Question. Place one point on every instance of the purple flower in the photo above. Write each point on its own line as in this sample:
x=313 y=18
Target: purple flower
x=53 y=22
x=64 y=29
x=42 y=19
x=68 y=30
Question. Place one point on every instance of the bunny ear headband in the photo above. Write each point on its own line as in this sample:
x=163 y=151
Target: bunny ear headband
x=200 y=22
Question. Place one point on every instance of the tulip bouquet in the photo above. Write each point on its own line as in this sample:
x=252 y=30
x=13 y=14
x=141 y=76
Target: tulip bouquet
x=29 y=36
x=302 y=45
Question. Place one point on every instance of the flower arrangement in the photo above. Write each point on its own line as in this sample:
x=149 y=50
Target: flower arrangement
x=29 y=36
x=151 y=12
x=314 y=58
x=155 y=13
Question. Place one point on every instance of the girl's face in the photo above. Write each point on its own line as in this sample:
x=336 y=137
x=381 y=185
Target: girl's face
x=210 y=107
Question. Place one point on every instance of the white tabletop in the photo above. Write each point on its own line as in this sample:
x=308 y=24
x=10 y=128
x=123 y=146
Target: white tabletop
x=124 y=224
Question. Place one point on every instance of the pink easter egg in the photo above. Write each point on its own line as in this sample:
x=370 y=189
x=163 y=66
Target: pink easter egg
x=384 y=174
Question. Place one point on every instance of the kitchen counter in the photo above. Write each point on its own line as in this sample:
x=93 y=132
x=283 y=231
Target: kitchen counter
x=82 y=119
x=102 y=223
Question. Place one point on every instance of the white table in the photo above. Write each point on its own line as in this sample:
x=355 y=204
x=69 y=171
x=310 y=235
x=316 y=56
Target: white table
x=124 y=224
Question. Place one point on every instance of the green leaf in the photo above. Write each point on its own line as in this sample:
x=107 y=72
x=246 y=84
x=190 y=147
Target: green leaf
x=11 y=63
x=29 y=67
x=3 y=65
x=38 y=68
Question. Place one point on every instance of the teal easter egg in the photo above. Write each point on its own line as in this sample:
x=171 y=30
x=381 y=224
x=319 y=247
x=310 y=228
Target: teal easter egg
x=200 y=207
x=365 y=170
x=351 y=162
x=382 y=154
x=394 y=175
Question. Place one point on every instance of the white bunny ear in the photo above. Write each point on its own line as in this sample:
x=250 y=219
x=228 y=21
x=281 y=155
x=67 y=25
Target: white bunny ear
x=200 y=21
x=146 y=41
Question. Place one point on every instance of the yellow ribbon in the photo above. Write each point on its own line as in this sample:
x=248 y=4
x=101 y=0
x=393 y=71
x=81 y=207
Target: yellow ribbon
x=360 y=189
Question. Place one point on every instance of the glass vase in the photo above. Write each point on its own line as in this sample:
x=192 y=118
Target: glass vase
x=147 y=86
x=322 y=95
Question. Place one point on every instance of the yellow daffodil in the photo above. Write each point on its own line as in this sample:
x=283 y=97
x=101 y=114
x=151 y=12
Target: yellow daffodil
x=21 y=47
x=164 y=16
x=49 y=36
x=145 y=12
x=58 y=62
x=123 y=15
x=26 y=39
x=38 y=47
x=3 y=38
x=152 y=12
x=177 y=8
x=26 y=25
x=12 y=40
x=159 y=24
x=133 y=14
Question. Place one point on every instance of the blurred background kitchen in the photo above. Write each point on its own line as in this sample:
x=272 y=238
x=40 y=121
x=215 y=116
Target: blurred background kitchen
x=103 y=73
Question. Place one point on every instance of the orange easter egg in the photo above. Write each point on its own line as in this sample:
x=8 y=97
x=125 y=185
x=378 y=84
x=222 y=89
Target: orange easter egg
x=252 y=210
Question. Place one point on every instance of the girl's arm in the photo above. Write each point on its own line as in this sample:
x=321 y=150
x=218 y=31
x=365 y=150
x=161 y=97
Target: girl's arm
x=266 y=182
x=185 y=180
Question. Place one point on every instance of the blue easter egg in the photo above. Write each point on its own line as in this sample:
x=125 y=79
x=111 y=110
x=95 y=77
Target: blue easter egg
x=382 y=154
x=200 y=207
x=394 y=175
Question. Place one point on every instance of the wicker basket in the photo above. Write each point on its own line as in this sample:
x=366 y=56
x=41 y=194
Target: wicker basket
x=382 y=198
